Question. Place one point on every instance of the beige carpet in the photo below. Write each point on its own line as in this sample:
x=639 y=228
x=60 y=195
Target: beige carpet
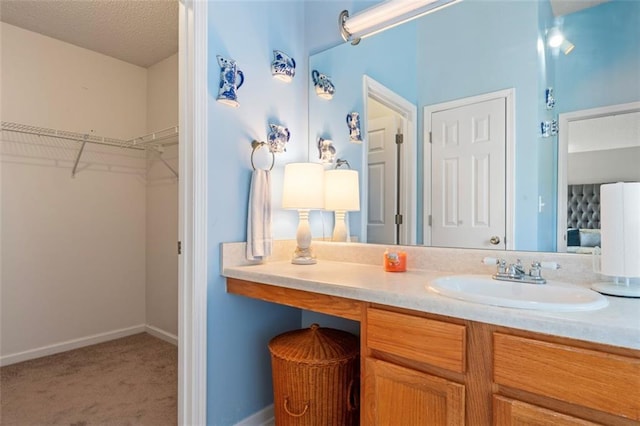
x=128 y=381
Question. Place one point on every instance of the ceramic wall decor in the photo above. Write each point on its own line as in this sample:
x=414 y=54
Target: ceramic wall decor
x=353 y=122
x=326 y=150
x=231 y=78
x=278 y=138
x=283 y=67
x=549 y=100
x=549 y=128
x=323 y=85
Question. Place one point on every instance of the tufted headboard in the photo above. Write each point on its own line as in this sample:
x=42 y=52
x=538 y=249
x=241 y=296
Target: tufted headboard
x=584 y=206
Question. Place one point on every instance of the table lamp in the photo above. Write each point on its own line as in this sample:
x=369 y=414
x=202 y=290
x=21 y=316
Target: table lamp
x=341 y=194
x=303 y=191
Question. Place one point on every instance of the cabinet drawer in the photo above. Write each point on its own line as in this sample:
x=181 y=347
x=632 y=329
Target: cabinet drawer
x=508 y=412
x=433 y=342
x=594 y=379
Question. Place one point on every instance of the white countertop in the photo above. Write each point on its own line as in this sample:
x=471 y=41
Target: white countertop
x=618 y=324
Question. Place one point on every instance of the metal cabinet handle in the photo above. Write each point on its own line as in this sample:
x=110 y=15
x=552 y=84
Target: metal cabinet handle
x=495 y=240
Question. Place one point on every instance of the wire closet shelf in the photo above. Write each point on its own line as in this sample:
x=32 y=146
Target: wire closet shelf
x=154 y=141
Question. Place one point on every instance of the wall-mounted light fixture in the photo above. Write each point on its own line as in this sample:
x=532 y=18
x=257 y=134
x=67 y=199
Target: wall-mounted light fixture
x=304 y=191
x=385 y=15
x=557 y=40
x=341 y=194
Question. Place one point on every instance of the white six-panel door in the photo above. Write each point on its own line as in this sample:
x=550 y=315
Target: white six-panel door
x=468 y=175
x=382 y=178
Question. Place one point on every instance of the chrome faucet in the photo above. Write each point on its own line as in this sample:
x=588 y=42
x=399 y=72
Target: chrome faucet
x=516 y=272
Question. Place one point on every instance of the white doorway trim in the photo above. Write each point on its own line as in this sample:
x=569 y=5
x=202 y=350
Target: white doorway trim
x=408 y=193
x=509 y=95
x=563 y=156
x=192 y=231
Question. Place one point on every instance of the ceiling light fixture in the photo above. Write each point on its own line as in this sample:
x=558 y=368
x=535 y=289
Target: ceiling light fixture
x=384 y=16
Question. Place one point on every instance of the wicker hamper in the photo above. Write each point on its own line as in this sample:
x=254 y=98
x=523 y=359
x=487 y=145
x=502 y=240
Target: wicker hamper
x=315 y=377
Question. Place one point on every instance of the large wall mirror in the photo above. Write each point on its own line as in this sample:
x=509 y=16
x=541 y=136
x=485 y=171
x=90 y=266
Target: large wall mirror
x=480 y=165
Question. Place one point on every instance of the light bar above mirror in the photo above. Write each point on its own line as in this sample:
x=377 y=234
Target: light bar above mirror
x=384 y=16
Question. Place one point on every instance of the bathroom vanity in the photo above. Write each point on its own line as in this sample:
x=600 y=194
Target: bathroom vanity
x=429 y=359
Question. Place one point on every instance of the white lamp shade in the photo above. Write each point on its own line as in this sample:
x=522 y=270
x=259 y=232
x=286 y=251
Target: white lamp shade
x=620 y=228
x=341 y=190
x=303 y=186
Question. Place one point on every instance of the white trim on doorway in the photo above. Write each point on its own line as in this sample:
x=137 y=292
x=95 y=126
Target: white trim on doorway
x=408 y=184
x=192 y=310
x=563 y=155
x=510 y=100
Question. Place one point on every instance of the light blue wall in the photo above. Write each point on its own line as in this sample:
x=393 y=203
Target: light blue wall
x=547 y=147
x=477 y=47
x=238 y=363
x=604 y=68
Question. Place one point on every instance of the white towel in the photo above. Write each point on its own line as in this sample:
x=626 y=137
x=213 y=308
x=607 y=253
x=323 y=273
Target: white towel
x=259 y=241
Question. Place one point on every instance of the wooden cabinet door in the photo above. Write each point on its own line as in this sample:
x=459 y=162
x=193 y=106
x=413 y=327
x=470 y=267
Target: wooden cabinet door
x=395 y=395
x=510 y=412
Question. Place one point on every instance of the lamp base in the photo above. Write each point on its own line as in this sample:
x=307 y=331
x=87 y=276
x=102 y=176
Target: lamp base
x=303 y=257
x=624 y=289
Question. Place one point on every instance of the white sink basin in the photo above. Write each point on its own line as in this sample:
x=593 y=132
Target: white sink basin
x=552 y=296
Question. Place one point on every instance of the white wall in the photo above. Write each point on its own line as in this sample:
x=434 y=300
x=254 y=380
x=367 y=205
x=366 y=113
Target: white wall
x=162 y=202
x=58 y=85
x=72 y=249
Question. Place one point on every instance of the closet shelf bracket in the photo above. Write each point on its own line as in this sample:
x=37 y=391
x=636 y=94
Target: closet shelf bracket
x=158 y=152
x=75 y=164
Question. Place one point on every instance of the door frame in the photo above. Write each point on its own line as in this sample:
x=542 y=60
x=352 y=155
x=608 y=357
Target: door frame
x=408 y=180
x=563 y=156
x=192 y=216
x=509 y=96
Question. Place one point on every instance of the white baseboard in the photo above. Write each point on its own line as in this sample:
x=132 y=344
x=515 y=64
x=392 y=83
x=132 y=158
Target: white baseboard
x=263 y=417
x=161 y=334
x=70 y=344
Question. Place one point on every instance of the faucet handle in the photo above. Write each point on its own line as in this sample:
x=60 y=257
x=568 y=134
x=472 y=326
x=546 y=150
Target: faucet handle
x=535 y=270
x=502 y=264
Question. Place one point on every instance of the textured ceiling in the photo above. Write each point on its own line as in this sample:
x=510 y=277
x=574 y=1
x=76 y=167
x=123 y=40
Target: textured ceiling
x=141 y=32
x=564 y=7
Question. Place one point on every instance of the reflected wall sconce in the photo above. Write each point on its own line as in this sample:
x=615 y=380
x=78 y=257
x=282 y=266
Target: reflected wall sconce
x=385 y=15
x=341 y=194
x=557 y=40
x=303 y=190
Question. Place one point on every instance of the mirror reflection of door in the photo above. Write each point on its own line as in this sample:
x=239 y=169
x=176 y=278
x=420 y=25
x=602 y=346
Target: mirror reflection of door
x=468 y=160
x=390 y=207
x=382 y=166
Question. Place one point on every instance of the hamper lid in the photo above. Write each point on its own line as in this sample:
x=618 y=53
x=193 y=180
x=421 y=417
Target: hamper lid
x=315 y=345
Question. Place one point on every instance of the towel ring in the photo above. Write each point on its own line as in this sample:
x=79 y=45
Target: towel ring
x=256 y=145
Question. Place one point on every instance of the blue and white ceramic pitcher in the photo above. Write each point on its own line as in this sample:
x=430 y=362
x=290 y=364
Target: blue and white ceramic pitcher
x=278 y=137
x=231 y=78
x=283 y=67
x=324 y=87
x=353 y=121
